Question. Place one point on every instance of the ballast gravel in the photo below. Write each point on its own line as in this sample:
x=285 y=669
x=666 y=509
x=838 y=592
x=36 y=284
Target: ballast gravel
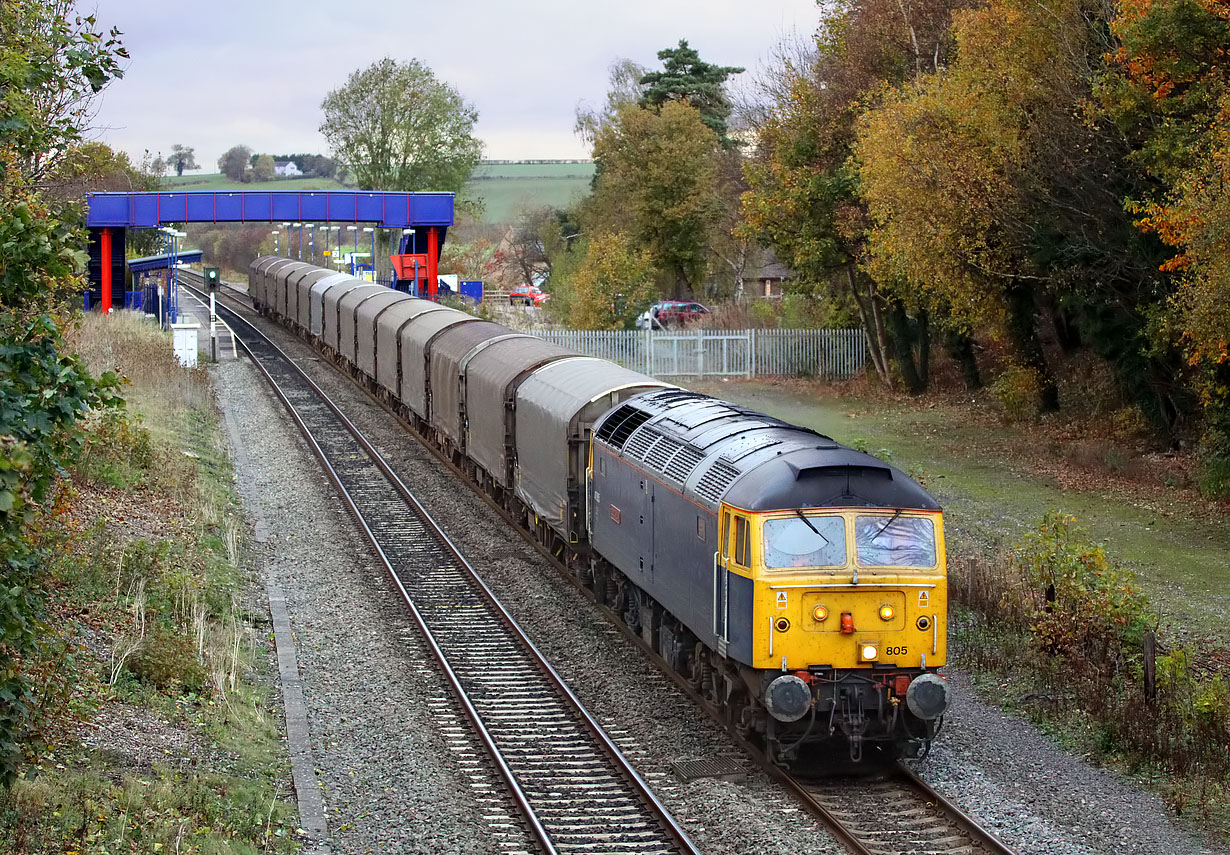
x=377 y=712
x=370 y=688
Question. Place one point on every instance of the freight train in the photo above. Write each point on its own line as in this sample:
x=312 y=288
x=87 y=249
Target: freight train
x=798 y=584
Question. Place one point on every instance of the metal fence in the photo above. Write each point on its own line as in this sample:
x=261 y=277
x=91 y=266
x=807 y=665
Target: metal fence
x=832 y=354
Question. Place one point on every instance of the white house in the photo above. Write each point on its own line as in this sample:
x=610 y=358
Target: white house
x=286 y=169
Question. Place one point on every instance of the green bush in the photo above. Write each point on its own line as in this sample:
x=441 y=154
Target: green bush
x=168 y=659
x=1090 y=609
x=1018 y=392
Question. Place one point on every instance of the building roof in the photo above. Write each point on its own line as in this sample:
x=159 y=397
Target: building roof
x=159 y=262
x=764 y=264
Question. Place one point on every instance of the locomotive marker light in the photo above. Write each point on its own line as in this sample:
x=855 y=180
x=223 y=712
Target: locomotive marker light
x=782 y=624
x=787 y=698
x=924 y=622
x=887 y=612
x=820 y=613
x=868 y=652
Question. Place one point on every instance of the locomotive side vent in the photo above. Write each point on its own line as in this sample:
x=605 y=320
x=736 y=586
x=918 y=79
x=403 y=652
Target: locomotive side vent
x=714 y=482
x=684 y=461
x=640 y=443
x=620 y=425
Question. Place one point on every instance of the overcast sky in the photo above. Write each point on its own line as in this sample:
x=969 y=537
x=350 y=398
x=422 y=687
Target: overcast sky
x=212 y=75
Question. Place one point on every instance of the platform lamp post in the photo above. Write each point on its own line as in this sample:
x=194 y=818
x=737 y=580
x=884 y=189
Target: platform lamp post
x=354 y=241
x=286 y=229
x=372 y=232
x=276 y=249
x=312 y=241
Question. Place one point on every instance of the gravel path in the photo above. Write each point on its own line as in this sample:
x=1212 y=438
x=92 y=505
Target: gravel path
x=1036 y=796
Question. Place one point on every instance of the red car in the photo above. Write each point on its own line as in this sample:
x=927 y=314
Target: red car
x=527 y=295
x=672 y=313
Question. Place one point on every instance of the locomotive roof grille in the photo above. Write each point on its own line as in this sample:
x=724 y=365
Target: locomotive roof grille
x=715 y=481
x=640 y=443
x=684 y=462
x=621 y=424
x=662 y=452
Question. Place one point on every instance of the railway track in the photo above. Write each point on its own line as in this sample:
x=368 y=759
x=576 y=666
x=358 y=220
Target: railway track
x=894 y=813
x=571 y=785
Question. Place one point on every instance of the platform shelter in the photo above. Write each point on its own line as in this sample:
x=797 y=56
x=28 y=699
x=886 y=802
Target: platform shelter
x=423 y=220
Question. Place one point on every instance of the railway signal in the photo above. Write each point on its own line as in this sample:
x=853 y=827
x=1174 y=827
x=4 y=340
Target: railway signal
x=211 y=281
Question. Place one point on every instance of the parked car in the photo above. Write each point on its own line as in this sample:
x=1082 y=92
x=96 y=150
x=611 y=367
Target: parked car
x=527 y=295
x=670 y=313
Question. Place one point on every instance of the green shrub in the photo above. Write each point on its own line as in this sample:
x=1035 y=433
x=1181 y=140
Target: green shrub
x=1091 y=609
x=1018 y=392
x=168 y=659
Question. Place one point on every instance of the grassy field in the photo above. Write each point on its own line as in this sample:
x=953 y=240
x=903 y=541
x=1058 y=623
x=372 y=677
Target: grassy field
x=507 y=188
x=504 y=188
x=997 y=481
x=218 y=183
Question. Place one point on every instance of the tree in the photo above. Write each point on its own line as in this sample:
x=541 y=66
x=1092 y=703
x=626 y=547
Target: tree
x=1169 y=92
x=44 y=391
x=262 y=169
x=686 y=77
x=623 y=90
x=804 y=198
x=234 y=163
x=658 y=183
x=181 y=158
x=397 y=127
x=613 y=284
x=58 y=63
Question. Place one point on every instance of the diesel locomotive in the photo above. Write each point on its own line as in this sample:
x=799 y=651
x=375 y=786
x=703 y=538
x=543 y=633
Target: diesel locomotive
x=798 y=584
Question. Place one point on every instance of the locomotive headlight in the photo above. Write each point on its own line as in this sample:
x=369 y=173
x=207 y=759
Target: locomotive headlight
x=820 y=613
x=868 y=652
x=887 y=612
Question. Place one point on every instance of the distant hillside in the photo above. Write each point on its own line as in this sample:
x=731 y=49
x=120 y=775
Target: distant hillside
x=507 y=187
x=504 y=186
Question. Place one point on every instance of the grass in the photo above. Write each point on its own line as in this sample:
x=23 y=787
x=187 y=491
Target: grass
x=504 y=188
x=168 y=740
x=995 y=481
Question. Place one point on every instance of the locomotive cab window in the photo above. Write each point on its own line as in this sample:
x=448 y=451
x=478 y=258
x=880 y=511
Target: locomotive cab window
x=894 y=541
x=812 y=541
x=743 y=542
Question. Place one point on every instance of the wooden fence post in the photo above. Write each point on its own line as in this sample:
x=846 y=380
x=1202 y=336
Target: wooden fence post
x=1149 y=648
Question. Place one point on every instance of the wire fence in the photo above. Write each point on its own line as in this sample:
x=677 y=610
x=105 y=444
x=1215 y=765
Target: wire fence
x=834 y=354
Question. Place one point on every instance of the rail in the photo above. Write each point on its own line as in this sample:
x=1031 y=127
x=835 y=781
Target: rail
x=568 y=779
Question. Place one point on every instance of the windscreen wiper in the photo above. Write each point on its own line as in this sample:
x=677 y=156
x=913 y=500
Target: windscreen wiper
x=812 y=527
x=891 y=520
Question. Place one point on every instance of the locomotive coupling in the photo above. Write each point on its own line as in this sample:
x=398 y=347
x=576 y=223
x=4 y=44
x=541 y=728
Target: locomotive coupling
x=927 y=697
x=787 y=698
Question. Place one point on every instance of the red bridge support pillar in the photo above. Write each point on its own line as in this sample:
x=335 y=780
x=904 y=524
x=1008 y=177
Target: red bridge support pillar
x=433 y=261
x=104 y=251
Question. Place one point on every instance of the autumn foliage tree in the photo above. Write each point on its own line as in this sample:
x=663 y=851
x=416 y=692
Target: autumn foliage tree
x=657 y=184
x=613 y=284
x=1168 y=91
